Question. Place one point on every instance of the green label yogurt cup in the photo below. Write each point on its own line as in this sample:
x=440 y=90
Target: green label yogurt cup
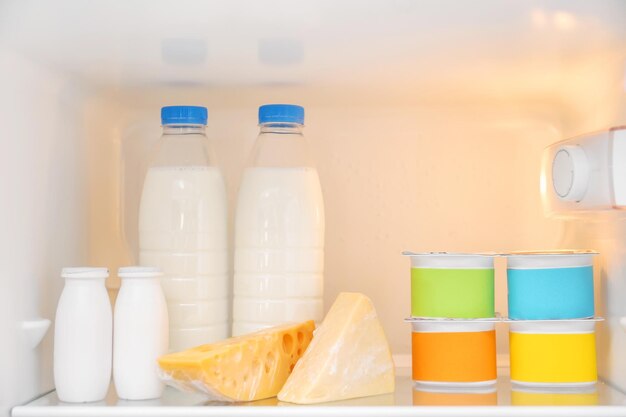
x=452 y=285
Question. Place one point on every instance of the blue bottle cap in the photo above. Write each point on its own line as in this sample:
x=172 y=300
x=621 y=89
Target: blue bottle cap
x=277 y=113
x=181 y=115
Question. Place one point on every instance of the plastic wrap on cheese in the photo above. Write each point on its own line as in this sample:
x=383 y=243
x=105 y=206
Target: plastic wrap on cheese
x=349 y=357
x=244 y=368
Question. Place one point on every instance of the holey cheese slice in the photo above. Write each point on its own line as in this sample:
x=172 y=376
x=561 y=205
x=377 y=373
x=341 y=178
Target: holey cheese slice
x=349 y=357
x=244 y=368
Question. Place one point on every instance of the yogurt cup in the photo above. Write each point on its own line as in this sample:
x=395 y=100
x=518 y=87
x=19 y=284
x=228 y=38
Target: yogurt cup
x=452 y=285
x=553 y=353
x=454 y=353
x=550 y=285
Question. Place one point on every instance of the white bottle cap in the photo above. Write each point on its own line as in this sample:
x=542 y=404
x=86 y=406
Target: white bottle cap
x=139 y=272
x=84 y=272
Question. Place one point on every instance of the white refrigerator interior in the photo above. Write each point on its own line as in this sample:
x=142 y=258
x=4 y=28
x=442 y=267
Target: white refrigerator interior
x=428 y=121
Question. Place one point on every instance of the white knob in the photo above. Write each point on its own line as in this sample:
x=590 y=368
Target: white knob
x=570 y=173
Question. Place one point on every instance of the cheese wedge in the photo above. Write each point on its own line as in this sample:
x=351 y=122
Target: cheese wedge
x=244 y=368
x=349 y=357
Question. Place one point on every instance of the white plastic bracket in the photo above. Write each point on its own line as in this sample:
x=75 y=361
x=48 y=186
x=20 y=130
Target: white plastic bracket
x=586 y=173
x=34 y=331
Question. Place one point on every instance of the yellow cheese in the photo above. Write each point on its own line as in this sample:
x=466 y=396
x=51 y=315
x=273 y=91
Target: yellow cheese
x=244 y=368
x=349 y=357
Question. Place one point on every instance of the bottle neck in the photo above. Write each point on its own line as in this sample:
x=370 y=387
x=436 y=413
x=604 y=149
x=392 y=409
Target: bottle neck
x=280 y=145
x=281 y=128
x=153 y=278
x=184 y=129
x=88 y=282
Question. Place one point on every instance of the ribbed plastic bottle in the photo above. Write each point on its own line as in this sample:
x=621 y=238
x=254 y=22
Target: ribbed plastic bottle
x=83 y=335
x=140 y=333
x=183 y=228
x=279 y=228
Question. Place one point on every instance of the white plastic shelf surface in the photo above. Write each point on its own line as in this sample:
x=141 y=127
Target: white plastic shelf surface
x=610 y=402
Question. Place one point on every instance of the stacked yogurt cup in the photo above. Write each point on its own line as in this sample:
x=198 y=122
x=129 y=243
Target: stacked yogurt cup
x=551 y=319
x=551 y=325
x=453 y=320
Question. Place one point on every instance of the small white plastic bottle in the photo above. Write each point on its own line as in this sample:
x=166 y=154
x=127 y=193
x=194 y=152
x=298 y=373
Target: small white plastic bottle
x=140 y=333
x=83 y=336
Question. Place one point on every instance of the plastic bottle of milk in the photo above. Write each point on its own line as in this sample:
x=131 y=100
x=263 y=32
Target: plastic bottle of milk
x=183 y=229
x=279 y=228
x=140 y=333
x=83 y=336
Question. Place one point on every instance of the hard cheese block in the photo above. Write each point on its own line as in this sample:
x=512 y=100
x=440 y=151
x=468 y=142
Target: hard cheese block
x=349 y=357
x=244 y=368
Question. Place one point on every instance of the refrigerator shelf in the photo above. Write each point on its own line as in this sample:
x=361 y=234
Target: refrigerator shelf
x=610 y=402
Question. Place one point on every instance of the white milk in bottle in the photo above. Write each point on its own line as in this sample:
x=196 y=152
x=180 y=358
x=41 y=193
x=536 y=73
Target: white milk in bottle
x=183 y=229
x=140 y=333
x=279 y=229
x=83 y=335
